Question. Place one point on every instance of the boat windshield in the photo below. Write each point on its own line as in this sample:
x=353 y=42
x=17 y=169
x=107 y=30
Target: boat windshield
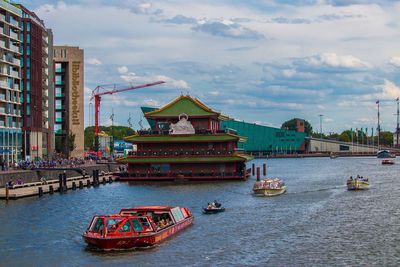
x=97 y=225
x=112 y=224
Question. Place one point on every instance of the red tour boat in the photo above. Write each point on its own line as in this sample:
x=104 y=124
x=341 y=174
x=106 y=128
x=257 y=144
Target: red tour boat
x=141 y=226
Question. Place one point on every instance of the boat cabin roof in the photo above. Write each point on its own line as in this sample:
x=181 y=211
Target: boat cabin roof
x=148 y=208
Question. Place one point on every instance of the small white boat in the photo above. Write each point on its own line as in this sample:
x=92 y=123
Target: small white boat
x=269 y=187
x=357 y=184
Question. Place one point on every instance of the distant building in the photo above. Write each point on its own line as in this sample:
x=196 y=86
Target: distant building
x=69 y=98
x=38 y=141
x=396 y=138
x=10 y=82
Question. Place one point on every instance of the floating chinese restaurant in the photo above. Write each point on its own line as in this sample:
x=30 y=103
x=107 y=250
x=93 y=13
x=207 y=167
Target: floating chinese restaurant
x=186 y=144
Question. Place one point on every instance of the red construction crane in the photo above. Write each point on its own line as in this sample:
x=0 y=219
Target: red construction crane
x=96 y=94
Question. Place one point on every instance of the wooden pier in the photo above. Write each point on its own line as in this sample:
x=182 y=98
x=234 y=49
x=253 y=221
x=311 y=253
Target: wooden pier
x=51 y=186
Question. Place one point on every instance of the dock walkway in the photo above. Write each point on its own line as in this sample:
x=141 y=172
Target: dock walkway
x=51 y=186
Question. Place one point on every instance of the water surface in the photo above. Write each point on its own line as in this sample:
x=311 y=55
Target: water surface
x=317 y=222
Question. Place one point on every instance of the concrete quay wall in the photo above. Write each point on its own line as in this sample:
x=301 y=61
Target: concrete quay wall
x=30 y=176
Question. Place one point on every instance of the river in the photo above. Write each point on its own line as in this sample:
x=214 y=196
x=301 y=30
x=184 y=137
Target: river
x=317 y=222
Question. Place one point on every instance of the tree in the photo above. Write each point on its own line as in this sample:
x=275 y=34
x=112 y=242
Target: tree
x=345 y=136
x=70 y=142
x=117 y=132
x=386 y=139
x=292 y=125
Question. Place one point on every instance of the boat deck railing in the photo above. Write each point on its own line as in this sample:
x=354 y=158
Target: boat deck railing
x=197 y=131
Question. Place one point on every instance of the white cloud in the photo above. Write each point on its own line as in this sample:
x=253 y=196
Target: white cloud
x=123 y=70
x=169 y=82
x=395 y=61
x=337 y=61
x=94 y=61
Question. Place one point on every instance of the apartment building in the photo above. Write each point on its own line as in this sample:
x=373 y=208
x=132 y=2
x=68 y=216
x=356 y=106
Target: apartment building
x=38 y=141
x=10 y=82
x=69 y=98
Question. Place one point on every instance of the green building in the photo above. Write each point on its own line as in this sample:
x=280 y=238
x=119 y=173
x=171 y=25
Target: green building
x=266 y=140
x=258 y=139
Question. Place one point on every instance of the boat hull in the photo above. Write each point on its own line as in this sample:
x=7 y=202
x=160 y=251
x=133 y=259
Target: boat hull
x=357 y=185
x=269 y=192
x=129 y=242
x=212 y=211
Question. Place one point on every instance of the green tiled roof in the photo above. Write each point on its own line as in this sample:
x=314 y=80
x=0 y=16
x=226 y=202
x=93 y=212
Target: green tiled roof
x=180 y=138
x=184 y=104
x=181 y=159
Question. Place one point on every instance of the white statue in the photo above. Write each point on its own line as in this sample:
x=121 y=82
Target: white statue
x=183 y=126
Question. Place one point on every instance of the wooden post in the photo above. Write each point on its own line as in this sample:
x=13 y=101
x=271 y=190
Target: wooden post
x=51 y=189
x=88 y=183
x=253 y=169
x=40 y=191
x=258 y=173
x=7 y=193
x=73 y=186
x=104 y=180
x=80 y=184
x=110 y=180
x=60 y=183
x=264 y=169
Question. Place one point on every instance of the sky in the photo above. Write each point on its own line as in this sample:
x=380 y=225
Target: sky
x=264 y=61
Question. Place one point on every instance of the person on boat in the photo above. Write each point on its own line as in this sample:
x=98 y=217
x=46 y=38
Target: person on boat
x=351 y=178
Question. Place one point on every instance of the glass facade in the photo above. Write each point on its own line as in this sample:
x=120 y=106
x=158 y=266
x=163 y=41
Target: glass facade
x=10 y=144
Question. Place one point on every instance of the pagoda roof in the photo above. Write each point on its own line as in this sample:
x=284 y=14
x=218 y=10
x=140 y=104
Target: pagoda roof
x=201 y=159
x=181 y=138
x=183 y=104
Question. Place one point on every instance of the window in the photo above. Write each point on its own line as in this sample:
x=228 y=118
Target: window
x=28 y=86
x=58 y=79
x=57 y=128
x=136 y=225
x=28 y=62
x=98 y=225
x=28 y=26
x=28 y=110
x=28 y=38
x=28 y=73
x=125 y=228
x=58 y=117
x=58 y=67
x=59 y=92
x=58 y=104
x=28 y=50
x=28 y=98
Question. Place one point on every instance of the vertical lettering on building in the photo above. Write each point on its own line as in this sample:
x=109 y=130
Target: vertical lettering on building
x=75 y=92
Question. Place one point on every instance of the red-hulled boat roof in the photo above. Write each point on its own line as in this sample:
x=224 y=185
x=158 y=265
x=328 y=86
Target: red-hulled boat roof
x=148 y=208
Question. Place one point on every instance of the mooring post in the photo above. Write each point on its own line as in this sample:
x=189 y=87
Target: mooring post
x=80 y=184
x=258 y=173
x=253 y=169
x=7 y=192
x=88 y=183
x=264 y=169
x=110 y=180
x=40 y=191
x=51 y=189
x=60 y=183
x=73 y=186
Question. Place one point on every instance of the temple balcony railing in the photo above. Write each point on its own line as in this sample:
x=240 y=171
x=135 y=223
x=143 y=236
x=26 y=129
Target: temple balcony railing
x=182 y=174
x=180 y=153
x=197 y=131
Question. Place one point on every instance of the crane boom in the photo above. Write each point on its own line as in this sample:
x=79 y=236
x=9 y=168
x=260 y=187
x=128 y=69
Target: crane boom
x=97 y=98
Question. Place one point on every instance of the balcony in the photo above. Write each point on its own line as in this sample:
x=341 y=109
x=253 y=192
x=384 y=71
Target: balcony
x=14 y=35
x=177 y=153
x=14 y=48
x=14 y=73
